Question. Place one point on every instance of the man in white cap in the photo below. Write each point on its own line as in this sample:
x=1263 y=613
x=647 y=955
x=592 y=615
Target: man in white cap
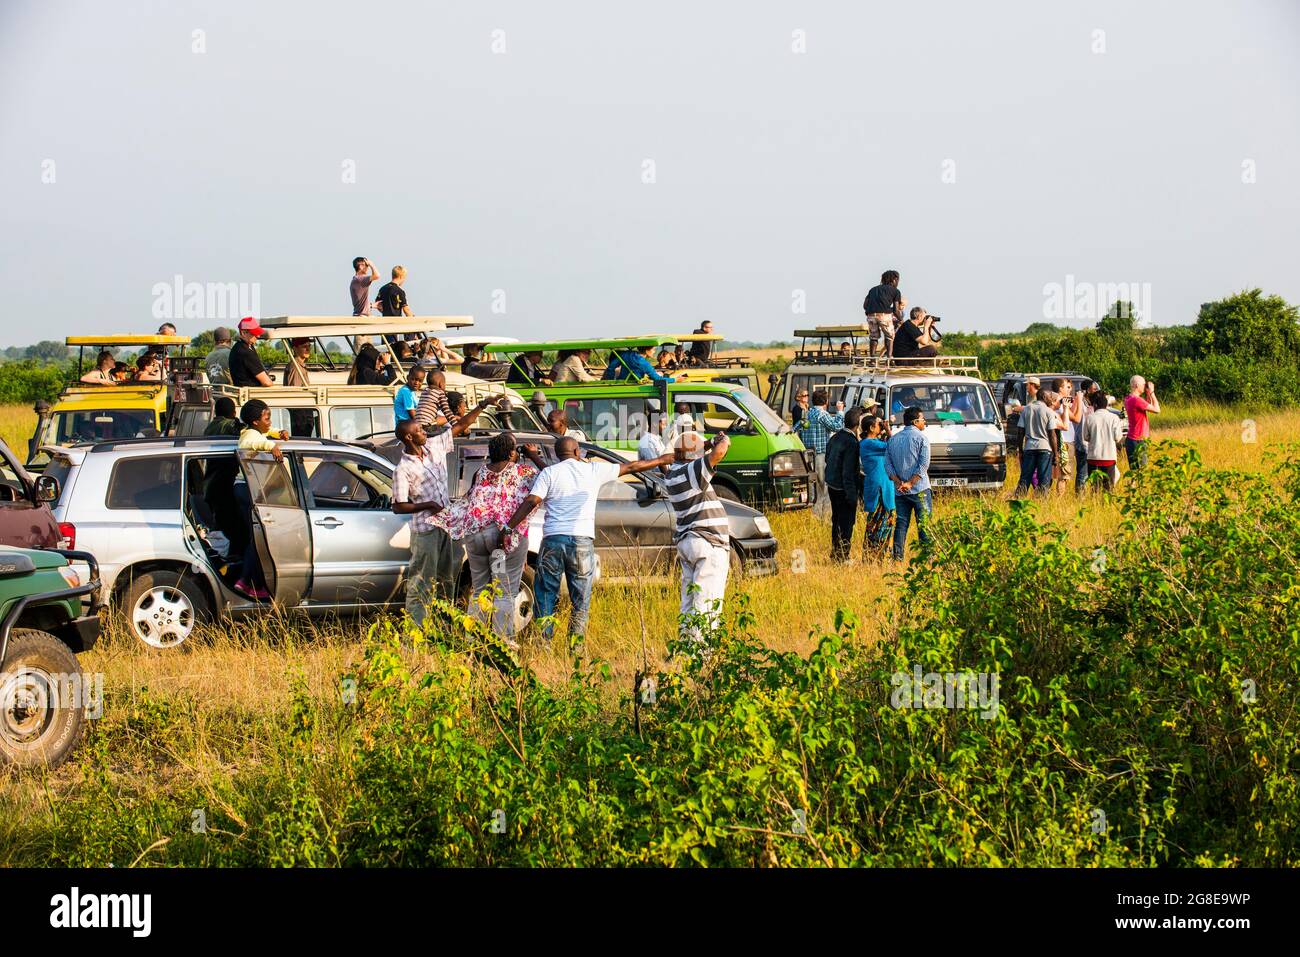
x=701 y=530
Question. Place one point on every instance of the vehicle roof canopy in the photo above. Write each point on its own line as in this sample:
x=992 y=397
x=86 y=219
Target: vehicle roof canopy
x=555 y=345
x=451 y=342
x=698 y=337
x=826 y=332
x=127 y=340
x=325 y=327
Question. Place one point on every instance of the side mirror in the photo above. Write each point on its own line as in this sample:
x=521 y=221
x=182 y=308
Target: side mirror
x=649 y=493
x=13 y=565
x=47 y=488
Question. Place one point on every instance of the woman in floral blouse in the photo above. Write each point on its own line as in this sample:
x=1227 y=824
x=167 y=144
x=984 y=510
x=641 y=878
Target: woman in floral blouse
x=476 y=520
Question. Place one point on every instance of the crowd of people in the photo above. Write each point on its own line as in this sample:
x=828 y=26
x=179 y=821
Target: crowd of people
x=1069 y=435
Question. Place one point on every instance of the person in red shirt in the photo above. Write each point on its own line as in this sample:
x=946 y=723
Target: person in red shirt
x=1140 y=401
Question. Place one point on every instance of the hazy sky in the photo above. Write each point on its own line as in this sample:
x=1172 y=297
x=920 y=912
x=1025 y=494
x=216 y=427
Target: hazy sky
x=985 y=150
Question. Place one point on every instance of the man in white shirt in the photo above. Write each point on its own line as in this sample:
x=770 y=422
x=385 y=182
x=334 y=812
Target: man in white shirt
x=420 y=490
x=569 y=488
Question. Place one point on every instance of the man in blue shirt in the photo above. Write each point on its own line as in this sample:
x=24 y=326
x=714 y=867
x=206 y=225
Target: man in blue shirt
x=633 y=364
x=408 y=396
x=907 y=462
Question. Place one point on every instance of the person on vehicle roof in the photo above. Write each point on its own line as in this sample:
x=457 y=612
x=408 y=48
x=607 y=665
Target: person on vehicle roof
x=912 y=341
x=633 y=364
x=884 y=307
x=701 y=353
x=363 y=274
x=571 y=366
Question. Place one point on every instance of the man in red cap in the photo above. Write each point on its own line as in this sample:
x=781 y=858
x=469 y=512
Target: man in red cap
x=245 y=366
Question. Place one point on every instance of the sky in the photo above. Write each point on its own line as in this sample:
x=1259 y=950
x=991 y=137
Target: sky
x=581 y=169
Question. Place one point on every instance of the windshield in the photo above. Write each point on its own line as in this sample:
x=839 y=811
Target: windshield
x=760 y=410
x=97 y=425
x=943 y=402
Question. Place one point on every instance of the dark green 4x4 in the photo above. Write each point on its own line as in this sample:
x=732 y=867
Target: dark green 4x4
x=47 y=615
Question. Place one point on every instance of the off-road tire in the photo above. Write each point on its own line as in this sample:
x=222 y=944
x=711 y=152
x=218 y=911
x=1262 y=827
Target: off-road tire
x=38 y=728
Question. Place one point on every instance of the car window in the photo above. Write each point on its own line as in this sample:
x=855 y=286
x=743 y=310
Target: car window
x=341 y=481
x=712 y=413
x=145 y=482
x=302 y=422
x=269 y=482
x=101 y=425
x=952 y=402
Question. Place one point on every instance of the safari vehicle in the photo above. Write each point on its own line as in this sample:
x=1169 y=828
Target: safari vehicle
x=967 y=445
x=25 y=517
x=328 y=407
x=826 y=357
x=48 y=614
x=87 y=412
x=323 y=526
x=767 y=463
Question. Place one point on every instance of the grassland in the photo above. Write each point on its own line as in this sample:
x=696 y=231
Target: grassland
x=228 y=678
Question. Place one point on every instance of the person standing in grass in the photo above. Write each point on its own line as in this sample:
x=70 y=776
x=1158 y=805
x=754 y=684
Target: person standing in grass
x=1083 y=402
x=1140 y=402
x=843 y=484
x=700 y=529
x=814 y=427
x=1037 y=421
x=498 y=488
x=420 y=490
x=907 y=464
x=877 y=490
x=1067 y=418
x=569 y=488
x=1102 y=430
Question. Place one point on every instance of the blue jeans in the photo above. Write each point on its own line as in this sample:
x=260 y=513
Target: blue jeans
x=907 y=503
x=1036 y=462
x=574 y=557
x=1080 y=468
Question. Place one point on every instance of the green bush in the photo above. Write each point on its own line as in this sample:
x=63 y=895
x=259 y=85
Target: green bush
x=28 y=380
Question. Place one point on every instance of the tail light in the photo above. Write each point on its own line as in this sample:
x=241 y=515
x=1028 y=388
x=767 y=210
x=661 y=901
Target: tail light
x=67 y=536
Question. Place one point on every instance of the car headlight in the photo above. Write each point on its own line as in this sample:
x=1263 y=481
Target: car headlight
x=994 y=452
x=70 y=576
x=783 y=463
x=763 y=525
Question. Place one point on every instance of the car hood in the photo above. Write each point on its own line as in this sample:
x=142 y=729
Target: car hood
x=957 y=434
x=39 y=557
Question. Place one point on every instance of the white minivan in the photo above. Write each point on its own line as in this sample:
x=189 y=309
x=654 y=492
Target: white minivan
x=968 y=447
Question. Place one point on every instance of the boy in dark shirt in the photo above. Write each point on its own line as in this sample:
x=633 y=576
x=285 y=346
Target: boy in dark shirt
x=392 y=297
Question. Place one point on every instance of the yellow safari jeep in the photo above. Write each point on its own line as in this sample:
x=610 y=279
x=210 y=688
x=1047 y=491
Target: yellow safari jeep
x=90 y=412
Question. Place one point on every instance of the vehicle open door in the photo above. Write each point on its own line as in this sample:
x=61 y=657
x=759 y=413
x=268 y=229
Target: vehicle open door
x=280 y=529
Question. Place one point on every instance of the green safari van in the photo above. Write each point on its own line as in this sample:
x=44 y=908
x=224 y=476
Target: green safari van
x=767 y=464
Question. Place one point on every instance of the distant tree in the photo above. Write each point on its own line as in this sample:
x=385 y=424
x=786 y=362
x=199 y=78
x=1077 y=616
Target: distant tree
x=1120 y=320
x=1040 y=329
x=203 y=342
x=48 y=350
x=1250 y=325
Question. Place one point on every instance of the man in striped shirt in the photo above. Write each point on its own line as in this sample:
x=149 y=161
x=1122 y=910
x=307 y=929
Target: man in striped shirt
x=701 y=530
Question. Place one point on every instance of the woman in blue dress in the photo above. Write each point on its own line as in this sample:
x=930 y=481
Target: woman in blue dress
x=877 y=490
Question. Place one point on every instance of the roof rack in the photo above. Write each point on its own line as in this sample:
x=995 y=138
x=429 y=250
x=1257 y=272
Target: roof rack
x=941 y=365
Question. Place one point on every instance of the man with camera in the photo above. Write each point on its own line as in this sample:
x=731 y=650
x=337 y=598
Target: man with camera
x=916 y=338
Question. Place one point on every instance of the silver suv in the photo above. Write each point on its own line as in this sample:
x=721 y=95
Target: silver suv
x=324 y=527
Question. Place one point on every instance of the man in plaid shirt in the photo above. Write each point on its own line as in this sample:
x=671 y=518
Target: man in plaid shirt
x=815 y=428
x=420 y=490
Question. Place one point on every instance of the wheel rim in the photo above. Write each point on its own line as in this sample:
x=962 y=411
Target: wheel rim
x=29 y=699
x=523 y=608
x=163 y=617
